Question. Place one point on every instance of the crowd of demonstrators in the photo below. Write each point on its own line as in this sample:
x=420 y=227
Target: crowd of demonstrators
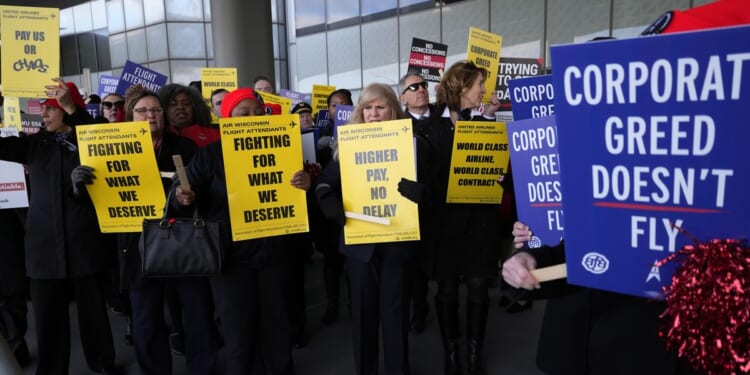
x=65 y=250
x=378 y=273
x=251 y=292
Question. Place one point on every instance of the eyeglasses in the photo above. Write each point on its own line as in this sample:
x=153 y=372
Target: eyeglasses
x=415 y=87
x=153 y=111
x=109 y=105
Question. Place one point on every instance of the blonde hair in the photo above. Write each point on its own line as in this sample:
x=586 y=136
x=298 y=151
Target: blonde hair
x=376 y=91
x=372 y=92
x=459 y=76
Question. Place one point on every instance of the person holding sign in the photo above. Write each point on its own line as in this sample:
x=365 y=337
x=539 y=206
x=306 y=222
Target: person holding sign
x=584 y=330
x=64 y=250
x=150 y=332
x=378 y=273
x=250 y=293
x=465 y=239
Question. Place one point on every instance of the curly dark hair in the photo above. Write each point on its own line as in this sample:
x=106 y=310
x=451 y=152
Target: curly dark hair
x=201 y=112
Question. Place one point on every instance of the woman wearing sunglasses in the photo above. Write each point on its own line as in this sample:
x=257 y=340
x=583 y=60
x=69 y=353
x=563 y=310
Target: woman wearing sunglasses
x=113 y=107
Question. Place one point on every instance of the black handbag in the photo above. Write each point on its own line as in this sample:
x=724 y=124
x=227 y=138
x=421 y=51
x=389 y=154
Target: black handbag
x=180 y=247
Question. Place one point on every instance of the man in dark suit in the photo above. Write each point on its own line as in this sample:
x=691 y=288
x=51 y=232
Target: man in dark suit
x=416 y=101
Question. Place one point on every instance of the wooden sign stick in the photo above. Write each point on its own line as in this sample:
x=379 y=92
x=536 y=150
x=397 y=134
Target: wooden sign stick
x=181 y=175
x=550 y=273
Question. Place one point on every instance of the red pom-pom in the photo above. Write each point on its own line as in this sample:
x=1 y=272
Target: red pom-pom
x=707 y=319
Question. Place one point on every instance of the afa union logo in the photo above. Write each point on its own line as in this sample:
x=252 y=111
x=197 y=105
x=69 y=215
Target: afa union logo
x=535 y=242
x=595 y=263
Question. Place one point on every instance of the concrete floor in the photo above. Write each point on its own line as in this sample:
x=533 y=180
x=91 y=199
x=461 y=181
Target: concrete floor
x=510 y=345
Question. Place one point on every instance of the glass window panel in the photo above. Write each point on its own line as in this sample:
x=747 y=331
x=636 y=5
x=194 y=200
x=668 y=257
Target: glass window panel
x=186 y=71
x=118 y=49
x=309 y=13
x=376 y=6
x=157 y=43
x=137 y=48
x=154 y=12
x=406 y=3
x=344 y=62
x=280 y=11
x=102 y=50
x=457 y=19
x=339 y=10
x=209 y=41
x=423 y=25
x=160 y=66
x=133 y=13
x=311 y=65
x=184 y=10
x=519 y=23
x=275 y=42
x=82 y=18
x=380 y=52
x=87 y=51
x=207 y=10
x=630 y=18
x=69 y=56
x=186 y=40
x=279 y=41
x=115 y=16
x=575 y=21
x=67 y=22
x=98 y=14
x=282 y=75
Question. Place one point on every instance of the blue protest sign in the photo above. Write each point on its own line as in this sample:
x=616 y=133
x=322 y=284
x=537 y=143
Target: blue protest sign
x=134 y=74
x=341 y=117
x=536 y=178
x=651 y=133
x=321 y=121
x=531 y=97
x=294 y=95
x=93 y=110
x=107 y=85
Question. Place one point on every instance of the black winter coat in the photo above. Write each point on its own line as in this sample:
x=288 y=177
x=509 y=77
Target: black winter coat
x=208 y=179
x=465 y=239
x=12 y=276
x=62 y=232
x=131 y=273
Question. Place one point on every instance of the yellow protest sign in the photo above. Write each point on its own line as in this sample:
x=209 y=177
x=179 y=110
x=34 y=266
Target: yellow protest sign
x=320 y=96
x=374 y=157
x=480 y=155
x=31 y=49
x=217 y=78
x=285 y=103
x=264 y=152
x=484 y=51
x=12 y=113
x=127 y=187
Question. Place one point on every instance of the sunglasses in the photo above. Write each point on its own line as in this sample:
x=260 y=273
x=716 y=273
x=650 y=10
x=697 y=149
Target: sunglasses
x=109 y=105
x=415 y=87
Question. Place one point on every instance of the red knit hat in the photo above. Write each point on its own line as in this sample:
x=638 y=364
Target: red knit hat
x=74 y=94
x=234 y=97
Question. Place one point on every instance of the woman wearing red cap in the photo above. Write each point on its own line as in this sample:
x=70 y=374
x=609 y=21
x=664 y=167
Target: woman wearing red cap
x=250 y=292
x=64 y=248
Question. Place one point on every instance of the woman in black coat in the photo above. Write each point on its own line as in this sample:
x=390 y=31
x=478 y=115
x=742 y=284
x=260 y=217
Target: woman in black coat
x=64 y=247
x=463 y=240
x=150 y=332
x=251 y=293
